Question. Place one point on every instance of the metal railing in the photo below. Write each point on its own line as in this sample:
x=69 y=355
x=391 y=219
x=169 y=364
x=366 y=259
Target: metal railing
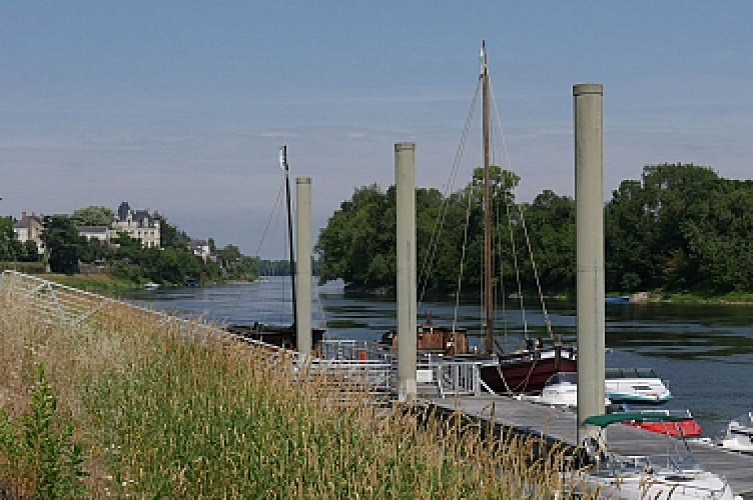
x=53 y=302
x=58 y=304
x=358 y=365
x=436 y=375
x=449 y=376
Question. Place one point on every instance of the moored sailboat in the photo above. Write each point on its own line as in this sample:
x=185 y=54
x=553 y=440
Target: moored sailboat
x=526 y=370
x=280 y=335
x=521 y=371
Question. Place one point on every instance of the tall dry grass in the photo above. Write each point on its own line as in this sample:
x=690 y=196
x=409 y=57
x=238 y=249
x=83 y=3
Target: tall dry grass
x=163 y=413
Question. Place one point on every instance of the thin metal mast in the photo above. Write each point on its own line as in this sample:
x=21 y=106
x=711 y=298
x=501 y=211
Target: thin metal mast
x=488 y=267
x=286 y=168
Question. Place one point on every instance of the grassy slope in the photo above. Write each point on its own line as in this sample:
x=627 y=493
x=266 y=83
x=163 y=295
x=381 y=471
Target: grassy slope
x=98 y=283
x=161 y=414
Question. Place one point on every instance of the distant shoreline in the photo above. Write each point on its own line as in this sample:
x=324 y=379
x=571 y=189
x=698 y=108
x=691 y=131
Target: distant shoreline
x=106 y=284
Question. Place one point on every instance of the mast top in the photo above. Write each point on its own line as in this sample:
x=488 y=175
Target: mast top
x=484 y=66
x=284 y=158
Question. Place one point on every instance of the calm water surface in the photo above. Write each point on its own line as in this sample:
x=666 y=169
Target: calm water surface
x=705 y=352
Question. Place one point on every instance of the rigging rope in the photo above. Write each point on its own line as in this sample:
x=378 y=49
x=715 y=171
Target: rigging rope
x=462 y=261
x=429 y=258
x=267 y=301
x=545 y=313
x=425 y=271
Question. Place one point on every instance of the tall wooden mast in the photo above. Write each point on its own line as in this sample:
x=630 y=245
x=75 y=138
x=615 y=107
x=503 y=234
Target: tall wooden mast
x=488 y=269
x=286 y=169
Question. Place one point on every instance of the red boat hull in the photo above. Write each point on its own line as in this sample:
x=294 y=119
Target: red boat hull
x=683 y=428
x=527 y=373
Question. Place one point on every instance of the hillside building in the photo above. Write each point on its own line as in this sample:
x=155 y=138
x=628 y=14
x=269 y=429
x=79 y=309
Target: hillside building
x=142 y=225
x=30 y=227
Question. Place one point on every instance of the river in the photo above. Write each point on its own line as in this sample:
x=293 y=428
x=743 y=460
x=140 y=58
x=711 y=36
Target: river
x=704 y=352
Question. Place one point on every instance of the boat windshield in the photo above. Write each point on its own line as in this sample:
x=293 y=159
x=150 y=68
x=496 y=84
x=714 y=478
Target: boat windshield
x=636 y=464
x=683 y=463
x=563 y=378
x=611 y=373
x=744 y=421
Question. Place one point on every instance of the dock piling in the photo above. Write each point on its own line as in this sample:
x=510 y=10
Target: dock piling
x=589 y=210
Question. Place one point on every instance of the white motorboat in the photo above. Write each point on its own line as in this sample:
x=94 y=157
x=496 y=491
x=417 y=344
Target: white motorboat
x=635 y=385
x=739 y=434
x=621 y=385
x=560 y=391
x=676 y=475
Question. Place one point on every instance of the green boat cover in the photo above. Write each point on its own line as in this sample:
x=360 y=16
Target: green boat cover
x=611 y=418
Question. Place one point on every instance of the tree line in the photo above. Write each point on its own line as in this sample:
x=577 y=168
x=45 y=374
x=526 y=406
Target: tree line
x=681 y=227
x=125 y=257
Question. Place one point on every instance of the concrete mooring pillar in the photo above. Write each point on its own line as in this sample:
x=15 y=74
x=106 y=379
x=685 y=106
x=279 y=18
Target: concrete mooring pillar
x=589 y=207
x=303 y=265
x=405 y=179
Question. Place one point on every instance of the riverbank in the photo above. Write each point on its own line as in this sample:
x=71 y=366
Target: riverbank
x=152 y=413
x=102 y=283
x=735 y=298
x=107 y=284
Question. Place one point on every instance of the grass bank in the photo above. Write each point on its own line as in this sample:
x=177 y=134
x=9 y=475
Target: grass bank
x=155 y=411
x=733 y=298
x=102 y=283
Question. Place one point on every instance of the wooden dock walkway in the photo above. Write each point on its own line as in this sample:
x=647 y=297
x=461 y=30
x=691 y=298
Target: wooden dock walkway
x=560 y=424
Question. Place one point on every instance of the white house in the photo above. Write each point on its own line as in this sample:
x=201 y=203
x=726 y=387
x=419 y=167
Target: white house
x=30 y=227
x=200 y=248
x=94 y=232
x=143 y=225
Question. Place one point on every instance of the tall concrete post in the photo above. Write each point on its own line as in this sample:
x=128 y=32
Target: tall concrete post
x=405 y=179
x=303 y=265
x=589 y=220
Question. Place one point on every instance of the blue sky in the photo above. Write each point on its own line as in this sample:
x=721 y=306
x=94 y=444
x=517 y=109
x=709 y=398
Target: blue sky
x=182 y=106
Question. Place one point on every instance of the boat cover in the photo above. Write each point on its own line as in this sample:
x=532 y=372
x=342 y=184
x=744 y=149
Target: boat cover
x=611 y=418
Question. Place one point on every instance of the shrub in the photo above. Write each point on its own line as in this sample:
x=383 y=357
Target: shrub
x=38 y=457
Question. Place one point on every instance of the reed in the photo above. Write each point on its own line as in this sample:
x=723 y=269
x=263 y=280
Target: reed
x=161 y=410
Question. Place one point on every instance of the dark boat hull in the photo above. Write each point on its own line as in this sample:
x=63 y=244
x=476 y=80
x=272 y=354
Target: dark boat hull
x=276 y=335
x=527 y=372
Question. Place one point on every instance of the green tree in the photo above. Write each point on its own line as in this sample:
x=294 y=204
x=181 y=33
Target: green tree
x=171 y=236
x=27 y=251
x=236 y=265
x=93 y=250
x=358 y=243
x=629 y=236
x=355 y=234
x=674 y=189
x=6 y=228
x=92 y=216
x=550 y=224
x=7 y=240
x=438 y=250
x=682 y=227
x=63 y=244
x=719 y=235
